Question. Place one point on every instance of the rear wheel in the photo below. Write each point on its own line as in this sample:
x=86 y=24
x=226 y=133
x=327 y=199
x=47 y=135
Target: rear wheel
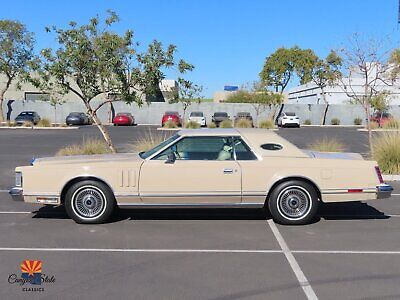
x=89 y=202
x=293 y=202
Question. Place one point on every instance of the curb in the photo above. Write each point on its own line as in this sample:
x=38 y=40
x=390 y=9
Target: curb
x=379 y=130
x=387 y=177
x=337 y=126
x=40 y=128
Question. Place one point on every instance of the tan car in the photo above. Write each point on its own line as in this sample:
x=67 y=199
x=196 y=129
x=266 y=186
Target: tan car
x=205 y=168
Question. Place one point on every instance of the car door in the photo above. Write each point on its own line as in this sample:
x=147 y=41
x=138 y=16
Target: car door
x=204 y=172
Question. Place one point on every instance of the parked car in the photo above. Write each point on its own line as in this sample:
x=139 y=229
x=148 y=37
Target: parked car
x=198 y=117
x=124 y=119
x=218 y=117
x=244 y=115
x=205 y=168
x=288 y=119
x=381 y=118
x=27 y=116
x=171 y=116
x=78 y=118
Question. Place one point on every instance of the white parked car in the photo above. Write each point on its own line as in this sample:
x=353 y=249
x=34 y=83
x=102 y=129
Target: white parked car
x=288 y=119
x=198 y=117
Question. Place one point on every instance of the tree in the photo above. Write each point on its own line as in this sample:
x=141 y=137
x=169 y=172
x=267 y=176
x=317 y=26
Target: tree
x=16 y=53
x=94 y=62
x=187 y=94
x=366 y=71
x=258 y=97
x=323 y=73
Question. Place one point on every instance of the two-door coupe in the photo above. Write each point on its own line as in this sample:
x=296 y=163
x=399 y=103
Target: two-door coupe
x=211 y=168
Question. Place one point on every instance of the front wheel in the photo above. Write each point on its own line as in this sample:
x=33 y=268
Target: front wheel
x=89 y=202
x=293 y=202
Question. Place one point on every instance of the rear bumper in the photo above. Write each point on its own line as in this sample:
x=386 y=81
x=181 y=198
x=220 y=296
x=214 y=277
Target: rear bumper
x=383 y=191
x=16 y=193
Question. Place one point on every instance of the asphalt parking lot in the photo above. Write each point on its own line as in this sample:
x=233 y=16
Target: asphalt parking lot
x=351 y=251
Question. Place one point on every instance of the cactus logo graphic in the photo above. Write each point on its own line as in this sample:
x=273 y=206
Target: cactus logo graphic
x=32 y=271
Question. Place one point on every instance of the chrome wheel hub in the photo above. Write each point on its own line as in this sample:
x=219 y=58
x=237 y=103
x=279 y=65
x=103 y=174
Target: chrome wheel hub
x=294 y=202
x=89 y=202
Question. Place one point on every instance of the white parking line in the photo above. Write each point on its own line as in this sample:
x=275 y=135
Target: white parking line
x=344 y=252
x=301 y=278
x=3 y=191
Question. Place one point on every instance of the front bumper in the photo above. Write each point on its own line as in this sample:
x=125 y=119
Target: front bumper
x=16 y=193
x=383 y=191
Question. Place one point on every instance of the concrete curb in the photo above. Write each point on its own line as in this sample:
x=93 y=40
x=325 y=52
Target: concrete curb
x=337 y=126
x=40 y=128
x=387 y=177
x=379 y=130
x=176 y=129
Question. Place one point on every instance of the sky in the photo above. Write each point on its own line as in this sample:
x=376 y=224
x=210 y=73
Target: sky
x=227 y=41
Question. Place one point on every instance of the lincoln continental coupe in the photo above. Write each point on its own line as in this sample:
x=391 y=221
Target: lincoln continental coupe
x=203 y=168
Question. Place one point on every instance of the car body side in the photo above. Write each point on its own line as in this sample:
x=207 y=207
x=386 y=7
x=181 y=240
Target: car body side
x=129 y=177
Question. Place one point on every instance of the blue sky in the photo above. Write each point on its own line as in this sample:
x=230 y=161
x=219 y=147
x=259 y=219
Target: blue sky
x=227 y=41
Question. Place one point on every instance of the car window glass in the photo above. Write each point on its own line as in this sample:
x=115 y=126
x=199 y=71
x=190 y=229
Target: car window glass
x=200 y=148
x=243 y=151
x=149 y=153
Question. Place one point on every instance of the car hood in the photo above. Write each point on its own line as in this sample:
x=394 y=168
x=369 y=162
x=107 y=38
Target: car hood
x=84 y=159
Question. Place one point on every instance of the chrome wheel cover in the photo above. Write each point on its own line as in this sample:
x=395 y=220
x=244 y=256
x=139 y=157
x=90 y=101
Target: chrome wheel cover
x=88 y=202
x=294 y=202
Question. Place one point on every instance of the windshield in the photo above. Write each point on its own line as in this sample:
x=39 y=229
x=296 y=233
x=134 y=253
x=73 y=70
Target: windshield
x=171 y=113
x=147 y=154
x=26 y=113
x=75 y=114
x=290 y=114
x=196 y=114
x=220 y=114
x=243 y=114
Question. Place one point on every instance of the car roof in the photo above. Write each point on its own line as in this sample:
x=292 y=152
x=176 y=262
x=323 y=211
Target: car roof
x=255 y=137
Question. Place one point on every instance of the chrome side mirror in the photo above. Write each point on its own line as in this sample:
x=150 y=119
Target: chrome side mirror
x=171 y=158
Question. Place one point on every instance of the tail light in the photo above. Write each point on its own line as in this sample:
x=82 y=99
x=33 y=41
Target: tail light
x=379 y=174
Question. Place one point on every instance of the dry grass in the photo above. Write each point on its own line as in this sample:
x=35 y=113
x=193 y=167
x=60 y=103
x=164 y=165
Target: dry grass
x=267 y=124
x=44 y=123
x=226 y=124
x=192 y=125
x=335 y=121
x=211 y=125
x=327 y=145
x=170 y=124
x=88 y=147
x=307 y=122
x=243 y=123
x=27 y=124
x=357 y=121
x=374 y=125
x=392 y=124
x=386 y=151
x=148 y=141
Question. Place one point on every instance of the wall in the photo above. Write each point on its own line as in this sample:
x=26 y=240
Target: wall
x=151 y=114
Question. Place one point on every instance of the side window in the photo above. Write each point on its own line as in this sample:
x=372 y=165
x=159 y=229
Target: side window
x=243 y=151
x=200 y=148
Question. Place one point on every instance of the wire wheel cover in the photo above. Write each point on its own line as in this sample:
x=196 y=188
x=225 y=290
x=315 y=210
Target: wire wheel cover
x=294 y=202
x=89 y=202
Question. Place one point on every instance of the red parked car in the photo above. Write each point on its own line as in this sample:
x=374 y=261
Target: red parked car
x=381 y=118
x=171 y=116
x=124 y=119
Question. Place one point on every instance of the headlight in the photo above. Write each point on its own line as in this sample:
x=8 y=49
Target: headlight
x=18 y=179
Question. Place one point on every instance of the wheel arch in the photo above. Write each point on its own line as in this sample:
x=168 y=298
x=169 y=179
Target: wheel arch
x=299 y=178
x=74 y=180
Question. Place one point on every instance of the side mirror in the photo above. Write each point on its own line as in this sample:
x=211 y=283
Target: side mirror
x=171 y=158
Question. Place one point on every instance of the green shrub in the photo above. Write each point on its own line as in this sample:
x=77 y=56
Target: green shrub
x=335 y=121
x=392 y=124
x=327 y=145
x=44 y=123
x=357 y=121
x=88 y=147
x=266 y=124
x=212 y=125
x=170 y=124
x=386 y=151
x=148 y=141
x=243 y=123
x=307 y=122
x=226 y=124
x=192 y=125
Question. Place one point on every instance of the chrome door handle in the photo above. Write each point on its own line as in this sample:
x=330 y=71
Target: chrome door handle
x=228 y=171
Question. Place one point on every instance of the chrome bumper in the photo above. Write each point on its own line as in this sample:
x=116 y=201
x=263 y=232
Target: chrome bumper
x=383 y=191
x=16 y=193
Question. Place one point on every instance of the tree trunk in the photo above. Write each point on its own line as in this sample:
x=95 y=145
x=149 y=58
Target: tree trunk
x=2 y=92
x=323 y=119
x=367 y=113
x=100 y=126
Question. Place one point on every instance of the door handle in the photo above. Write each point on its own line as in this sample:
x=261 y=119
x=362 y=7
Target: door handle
x=228 y=171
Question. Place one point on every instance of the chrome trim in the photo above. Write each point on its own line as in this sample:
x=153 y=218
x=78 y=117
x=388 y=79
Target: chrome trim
x=16 y=193
x=383 y=191
x=190 y=195
x=191 y=205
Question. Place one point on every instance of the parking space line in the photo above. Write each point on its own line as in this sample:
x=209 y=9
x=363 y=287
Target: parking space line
x=344 y=252
x=301 y=278
x=15 y=212
x=3 y=191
